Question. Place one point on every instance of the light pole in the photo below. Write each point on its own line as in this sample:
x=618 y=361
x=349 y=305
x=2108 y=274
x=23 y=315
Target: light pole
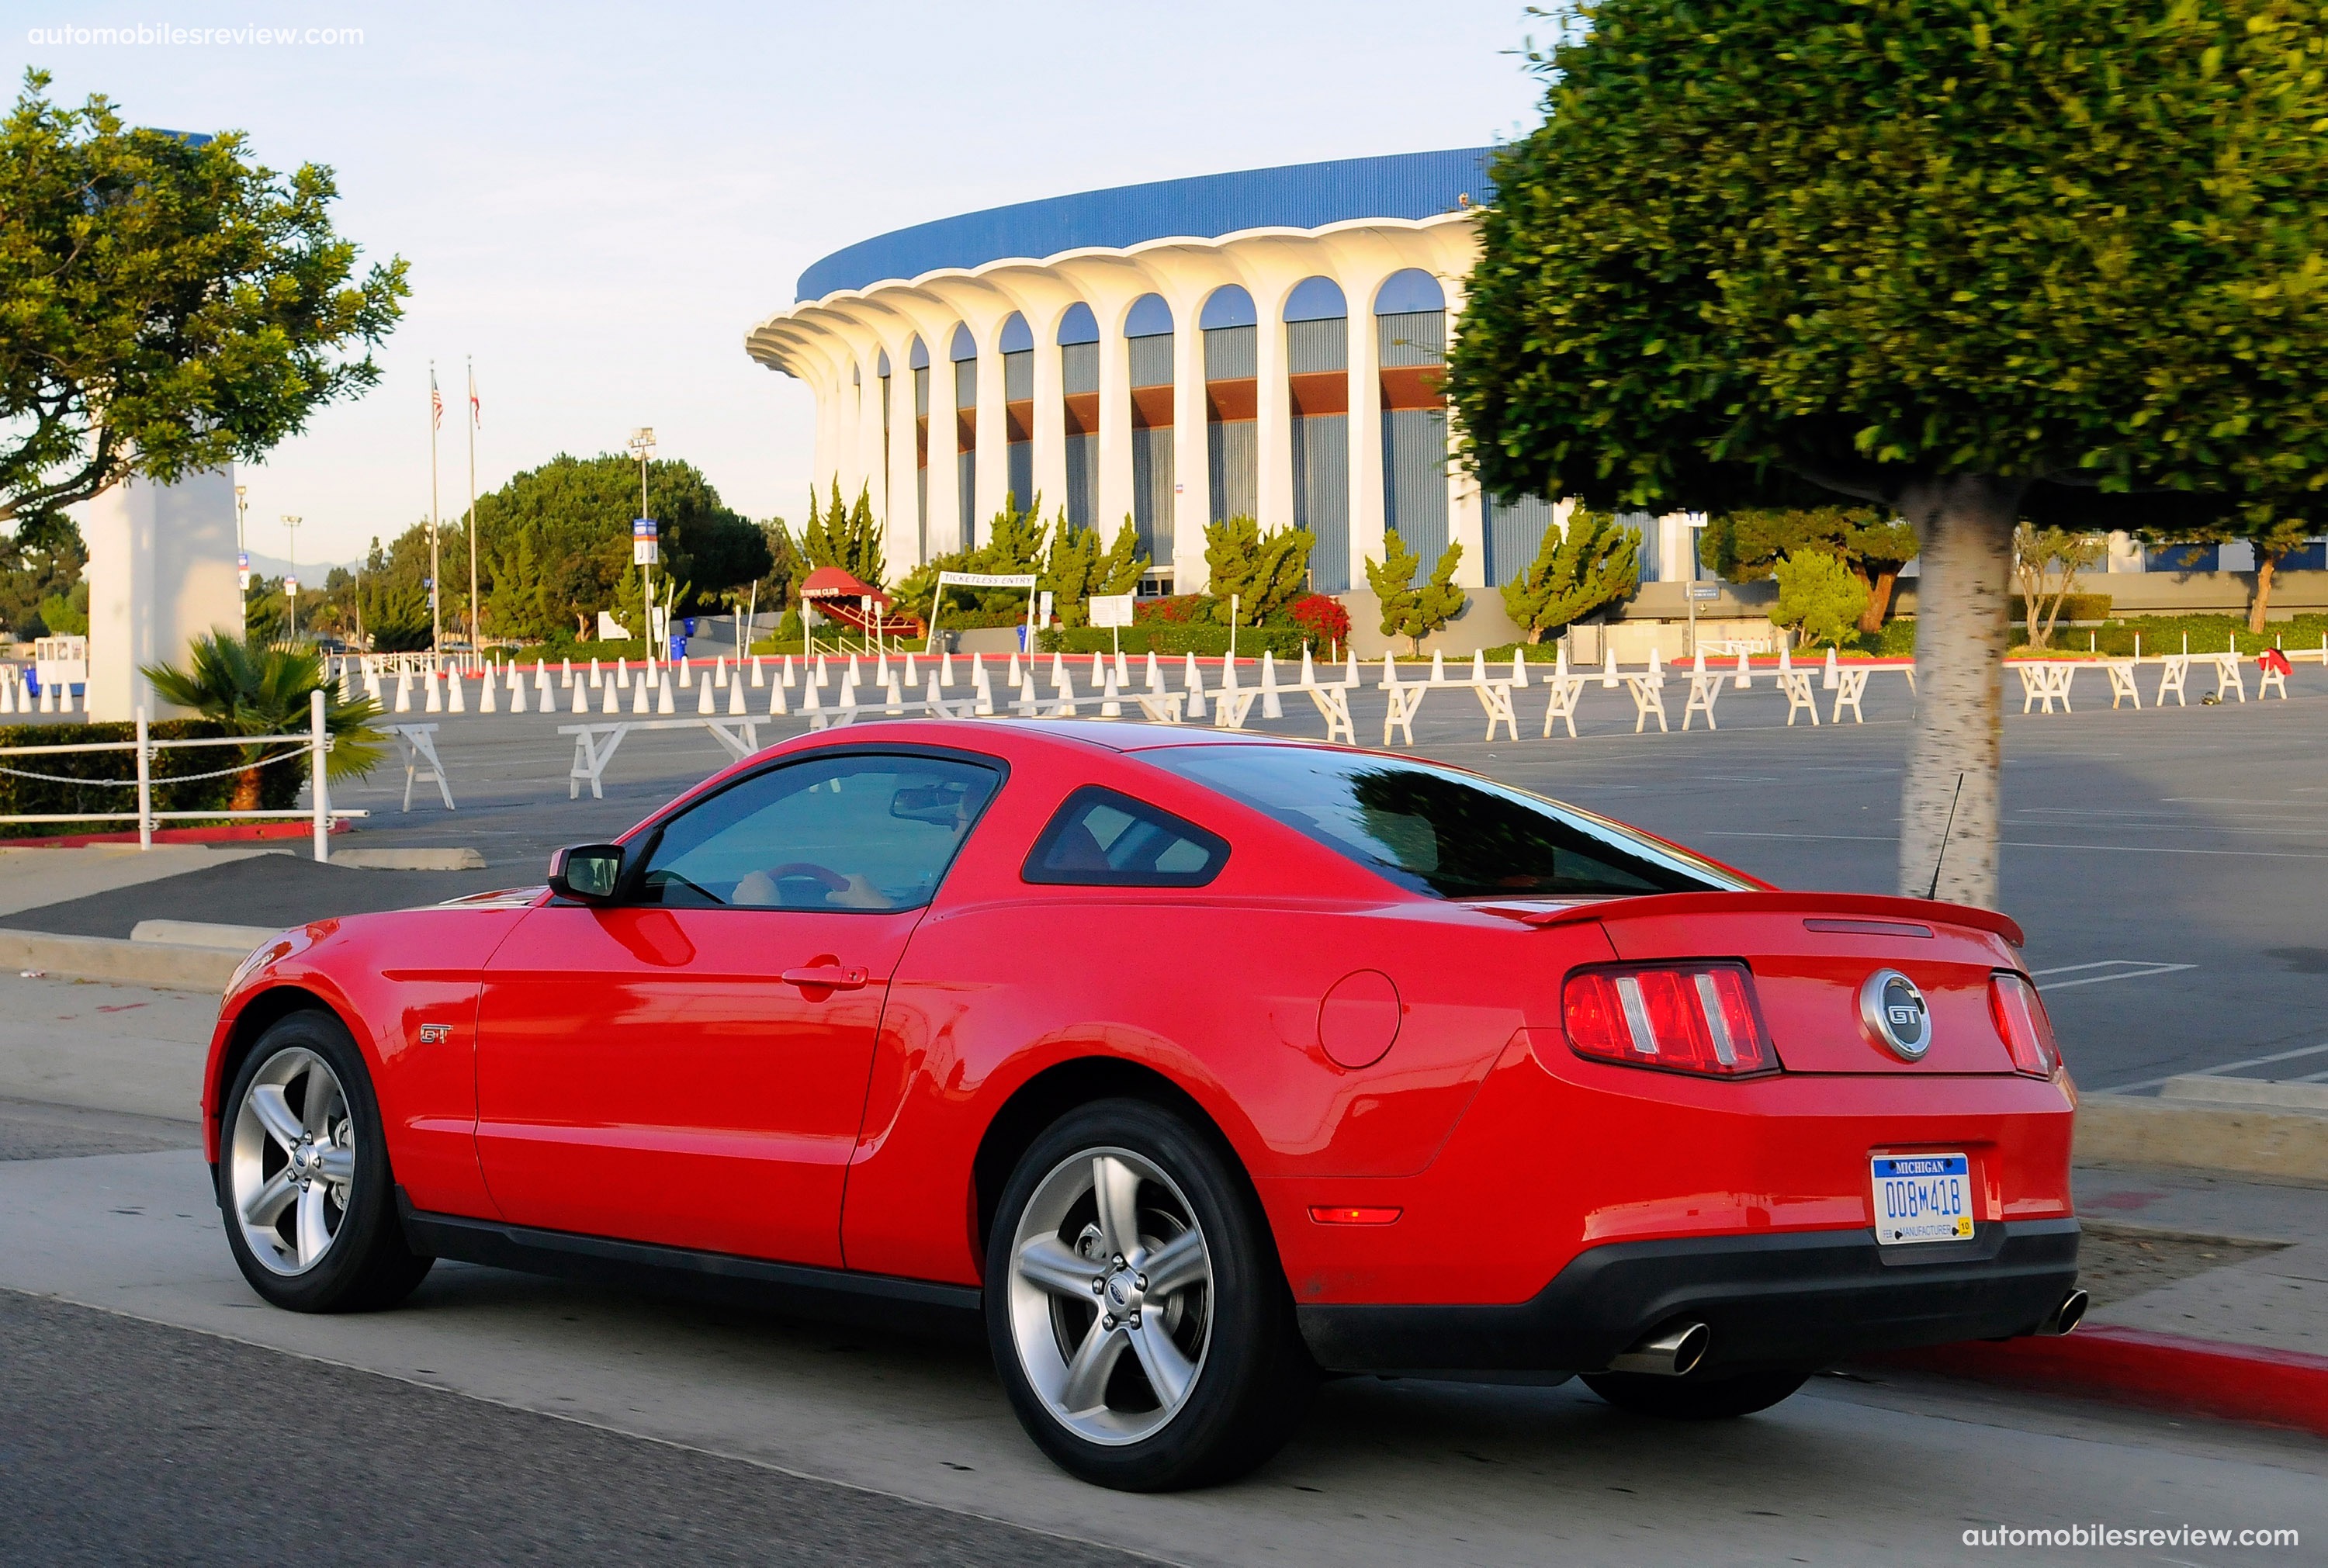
x=1697 y=521
x=291 y=574
x=643 y=444
x=242 y=554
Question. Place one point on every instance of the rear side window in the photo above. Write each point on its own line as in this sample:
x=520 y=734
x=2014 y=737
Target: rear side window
x=1099 y=838
x=1439 y=832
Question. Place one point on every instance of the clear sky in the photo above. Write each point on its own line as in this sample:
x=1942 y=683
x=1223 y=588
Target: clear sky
x=599 y=199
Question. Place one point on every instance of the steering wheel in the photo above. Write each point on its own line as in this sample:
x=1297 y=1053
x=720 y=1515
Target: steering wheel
x=829 y=880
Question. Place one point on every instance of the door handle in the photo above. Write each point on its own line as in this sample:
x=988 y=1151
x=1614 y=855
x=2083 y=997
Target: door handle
x=826 y=977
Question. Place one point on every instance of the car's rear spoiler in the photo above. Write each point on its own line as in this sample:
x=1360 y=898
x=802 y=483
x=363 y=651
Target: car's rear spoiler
x=1846 y=906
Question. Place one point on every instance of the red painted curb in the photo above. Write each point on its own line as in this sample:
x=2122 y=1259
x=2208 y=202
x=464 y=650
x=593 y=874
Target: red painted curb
x=2247 y=1383
x=220 y=833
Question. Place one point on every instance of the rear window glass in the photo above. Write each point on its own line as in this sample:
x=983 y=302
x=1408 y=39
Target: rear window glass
x=1439 y=831
x=1099 y=838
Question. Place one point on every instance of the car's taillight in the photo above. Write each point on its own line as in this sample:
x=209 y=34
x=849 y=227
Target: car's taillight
x=2020 y=1018
x=1688 y=1018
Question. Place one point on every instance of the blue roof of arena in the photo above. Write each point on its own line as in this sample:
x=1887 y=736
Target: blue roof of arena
x=1297 y=196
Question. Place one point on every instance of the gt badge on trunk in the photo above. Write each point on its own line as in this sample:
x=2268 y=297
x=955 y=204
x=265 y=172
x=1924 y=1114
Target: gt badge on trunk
x=1893 y=1011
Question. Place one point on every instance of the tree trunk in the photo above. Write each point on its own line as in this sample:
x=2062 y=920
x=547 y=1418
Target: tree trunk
x=1964 y=524
x=1881 y=585
x=2264 y=566
x=246 y=792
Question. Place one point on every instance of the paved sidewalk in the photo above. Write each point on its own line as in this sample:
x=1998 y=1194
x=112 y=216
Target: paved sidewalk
x=2238 y=1328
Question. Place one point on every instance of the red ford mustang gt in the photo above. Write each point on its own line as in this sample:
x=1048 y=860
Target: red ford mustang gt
x=1195 y=1065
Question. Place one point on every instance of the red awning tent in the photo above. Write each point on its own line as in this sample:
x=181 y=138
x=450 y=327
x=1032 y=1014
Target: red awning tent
x=842 y=598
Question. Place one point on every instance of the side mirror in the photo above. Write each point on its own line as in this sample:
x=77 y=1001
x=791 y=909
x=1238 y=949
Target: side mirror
x=587 y=873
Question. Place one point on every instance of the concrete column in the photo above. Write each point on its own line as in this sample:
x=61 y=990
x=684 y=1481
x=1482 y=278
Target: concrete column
x=1274 y=410
x=1365 y=425
x=993 y=475
x=870 y=473
x=1113 y=502
x=1467 y=511
x=1050 y=432
x=161 y=572
x=904 y=550
x=1192 y=500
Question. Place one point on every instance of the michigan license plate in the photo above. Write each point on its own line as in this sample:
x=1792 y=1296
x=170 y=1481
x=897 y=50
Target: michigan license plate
x=1921 y=1198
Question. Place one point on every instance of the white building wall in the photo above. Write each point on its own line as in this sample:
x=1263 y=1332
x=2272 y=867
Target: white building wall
x=817 y=342
x=161 y=572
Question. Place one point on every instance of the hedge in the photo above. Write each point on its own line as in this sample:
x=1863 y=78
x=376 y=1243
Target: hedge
x=21 y=796
x=1206 y=639
x=2076 y=608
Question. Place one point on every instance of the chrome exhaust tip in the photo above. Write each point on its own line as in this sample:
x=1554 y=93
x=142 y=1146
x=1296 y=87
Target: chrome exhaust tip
x=2066 y=1315
x=1675 y=1353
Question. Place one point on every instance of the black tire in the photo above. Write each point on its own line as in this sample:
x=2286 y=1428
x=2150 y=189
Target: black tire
x=366 y=1264
x=1252 y=1374
x=1695 y=1398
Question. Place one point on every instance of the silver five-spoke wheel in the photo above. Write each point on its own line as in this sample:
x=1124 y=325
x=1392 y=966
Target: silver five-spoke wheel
x=291 y=1161
x=1111 y=1296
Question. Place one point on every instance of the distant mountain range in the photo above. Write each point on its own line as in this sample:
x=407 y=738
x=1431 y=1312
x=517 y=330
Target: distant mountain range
x=275 y=566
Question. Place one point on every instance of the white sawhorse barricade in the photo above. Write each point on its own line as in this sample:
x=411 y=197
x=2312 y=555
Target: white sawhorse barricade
x=594 y=745
x=417 y=742
x=1405 y=696
x=2122 y=686
x=2045 y=682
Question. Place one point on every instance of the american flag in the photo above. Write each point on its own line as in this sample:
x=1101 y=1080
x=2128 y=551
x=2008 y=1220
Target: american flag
x=436 y=402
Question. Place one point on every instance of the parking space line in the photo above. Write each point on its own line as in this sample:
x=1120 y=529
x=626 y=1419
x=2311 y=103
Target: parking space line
x=2218 y=1070
x=2130 y=970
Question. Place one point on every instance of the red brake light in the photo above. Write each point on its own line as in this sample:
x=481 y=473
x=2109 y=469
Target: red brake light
x=2020 y=1021
x=1694 y=1017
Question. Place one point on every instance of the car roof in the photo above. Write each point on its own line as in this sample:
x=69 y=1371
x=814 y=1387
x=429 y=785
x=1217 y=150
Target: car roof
x=1109 y=734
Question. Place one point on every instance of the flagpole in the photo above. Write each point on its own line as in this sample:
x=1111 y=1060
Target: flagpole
x=436 y=615
x=476 y=632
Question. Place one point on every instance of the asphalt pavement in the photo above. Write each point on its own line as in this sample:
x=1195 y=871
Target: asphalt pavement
x=499 y=1417
x=2170 y=865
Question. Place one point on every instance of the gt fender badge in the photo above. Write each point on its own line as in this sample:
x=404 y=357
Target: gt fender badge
x=1894 y=1012
x=436 y=1034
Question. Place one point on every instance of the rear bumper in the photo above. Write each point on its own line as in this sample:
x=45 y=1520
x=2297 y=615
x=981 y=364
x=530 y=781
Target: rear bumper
x=1801 y=1299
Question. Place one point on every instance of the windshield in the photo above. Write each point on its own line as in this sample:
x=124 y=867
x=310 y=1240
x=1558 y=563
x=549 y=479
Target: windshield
x=1439 y=831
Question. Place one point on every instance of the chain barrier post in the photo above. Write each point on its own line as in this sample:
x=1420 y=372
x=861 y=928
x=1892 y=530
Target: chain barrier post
x=322 y=799
x=145 y=784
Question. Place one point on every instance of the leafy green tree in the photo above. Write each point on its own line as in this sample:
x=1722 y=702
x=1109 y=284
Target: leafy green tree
x=1743 y=546
x=845 y=536
x=254 y=689
x=1593 y=560
x=67 y=614
x=1819 y=596
x=1265 y=571
x=2046 y=562
x=1410 y=609
x=44 y=559
x=572 y=516
x=391 y=595
x=165 y=306
x=2276 y=526
x=2059 y=260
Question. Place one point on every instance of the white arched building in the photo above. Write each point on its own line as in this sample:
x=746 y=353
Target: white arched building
x=1265 y=342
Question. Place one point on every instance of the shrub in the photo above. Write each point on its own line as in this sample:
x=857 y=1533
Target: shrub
x=1594 y=560
x=1818 y=594
x=1323 y=617
x=23 y=796
x=1263 y=571
x=1412 y=610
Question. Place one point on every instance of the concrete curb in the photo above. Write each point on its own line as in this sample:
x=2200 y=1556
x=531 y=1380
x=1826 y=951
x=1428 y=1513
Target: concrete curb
x=2278 y=1144
x=155 y=963
x=2249 y=1383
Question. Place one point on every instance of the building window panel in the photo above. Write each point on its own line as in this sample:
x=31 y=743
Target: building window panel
x=1234 y=463
x=1515 y=533
x=1151 y=491
x=1321 y=496
x=1083 y=478
x=1414 y=481
x=1318 y=346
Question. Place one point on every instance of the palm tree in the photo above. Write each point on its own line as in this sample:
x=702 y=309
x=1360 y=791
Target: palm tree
x=255 y=688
